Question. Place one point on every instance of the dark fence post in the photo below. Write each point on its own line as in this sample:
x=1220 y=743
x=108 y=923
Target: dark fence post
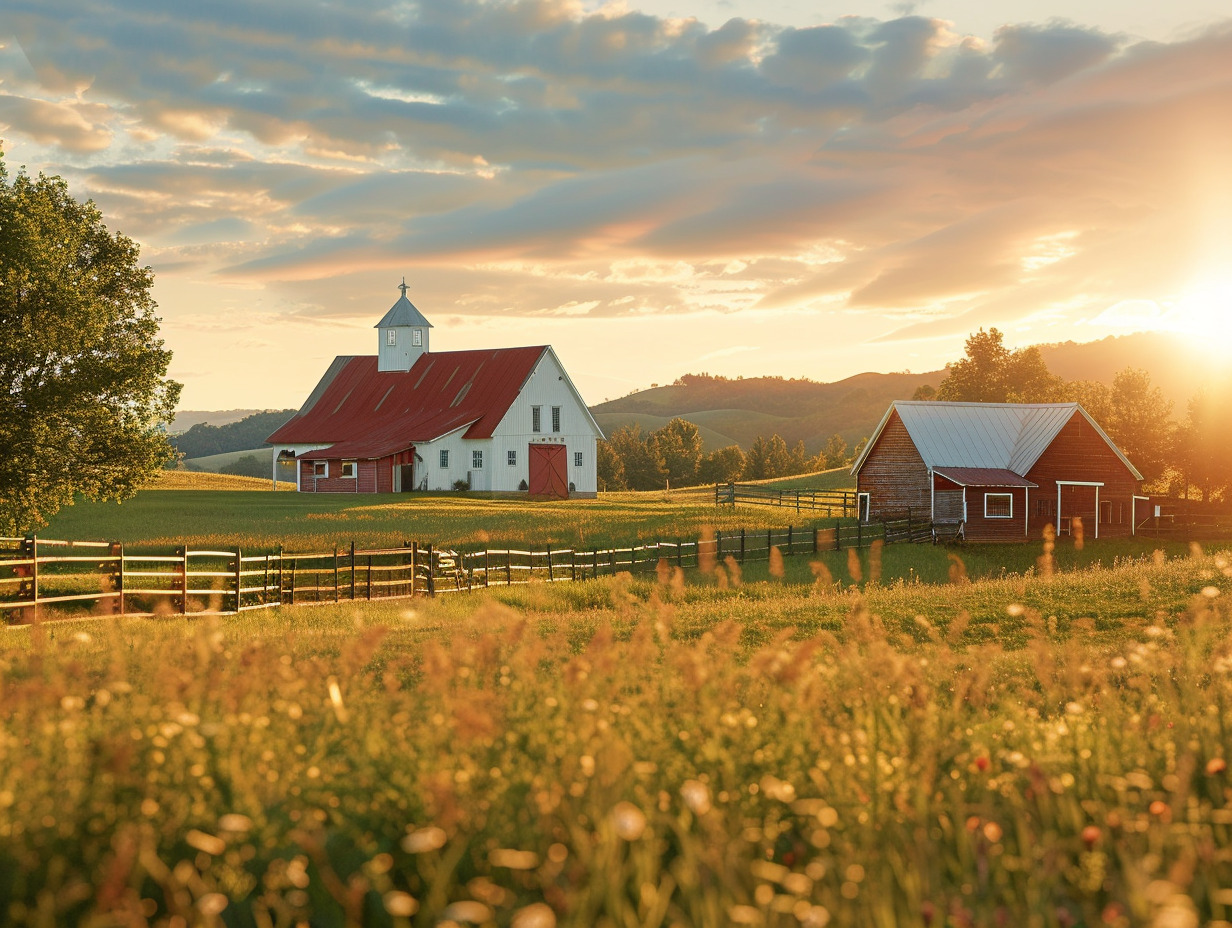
x=549 y=563
x=352 y=571
x=239 y=578
x=280 y=575
x=859 y=533
x=183 y=552
x=789 y=533
x=838 y=542
x=431 y=573
x=508 y=566
x=368 y=579
x=117 y=551
x=294 y=564
x=34 y=574
x=335 y=574
x=414 y=565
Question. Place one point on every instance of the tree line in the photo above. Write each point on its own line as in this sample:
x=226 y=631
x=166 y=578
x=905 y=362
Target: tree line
x=672 y=456
x=1186 y=457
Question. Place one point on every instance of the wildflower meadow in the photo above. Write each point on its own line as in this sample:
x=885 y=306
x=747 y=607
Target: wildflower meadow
x=1037 y=750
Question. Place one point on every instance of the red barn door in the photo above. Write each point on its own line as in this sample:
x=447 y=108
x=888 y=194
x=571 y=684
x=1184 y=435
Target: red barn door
x=548 y=474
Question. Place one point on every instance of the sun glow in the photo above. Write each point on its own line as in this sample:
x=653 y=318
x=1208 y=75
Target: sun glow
x=1205 y=315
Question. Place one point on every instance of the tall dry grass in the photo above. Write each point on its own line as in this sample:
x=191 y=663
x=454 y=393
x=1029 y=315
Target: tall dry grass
x=619 y=764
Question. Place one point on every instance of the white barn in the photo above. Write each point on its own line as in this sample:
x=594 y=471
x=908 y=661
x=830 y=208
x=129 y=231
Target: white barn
x=504 y=420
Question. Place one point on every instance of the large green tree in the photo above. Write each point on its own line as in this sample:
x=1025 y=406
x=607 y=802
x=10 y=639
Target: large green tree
x=723 y=465
x=83 y=368
x=991 y=373
x=1203 y=444
x=643 y=467
x=1140 y=422
x=679 y=447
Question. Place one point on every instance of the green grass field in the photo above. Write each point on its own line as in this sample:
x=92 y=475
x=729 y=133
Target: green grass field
x=1042 y=751
x=316 y=522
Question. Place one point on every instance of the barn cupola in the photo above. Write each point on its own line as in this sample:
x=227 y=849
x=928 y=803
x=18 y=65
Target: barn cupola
x=403 y=335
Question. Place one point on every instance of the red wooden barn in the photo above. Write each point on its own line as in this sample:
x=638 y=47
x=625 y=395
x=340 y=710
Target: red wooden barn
x=999 y=471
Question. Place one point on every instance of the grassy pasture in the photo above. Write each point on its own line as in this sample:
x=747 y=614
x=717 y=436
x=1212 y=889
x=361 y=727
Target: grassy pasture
x=1042 y=751
x=316 y=522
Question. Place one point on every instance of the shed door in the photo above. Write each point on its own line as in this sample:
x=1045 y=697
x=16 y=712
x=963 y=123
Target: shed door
x=548 y=474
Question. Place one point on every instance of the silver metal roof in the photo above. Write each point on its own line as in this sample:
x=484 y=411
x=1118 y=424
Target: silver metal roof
x=402 y=313
x=1011 y=436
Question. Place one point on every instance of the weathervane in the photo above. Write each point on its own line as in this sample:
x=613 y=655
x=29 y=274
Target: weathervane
x=402 y=286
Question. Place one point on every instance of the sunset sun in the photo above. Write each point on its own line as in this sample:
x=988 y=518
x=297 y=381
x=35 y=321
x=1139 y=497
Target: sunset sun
x=1204 y=315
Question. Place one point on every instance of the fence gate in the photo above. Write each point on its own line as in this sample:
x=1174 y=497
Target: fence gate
x=548 y=471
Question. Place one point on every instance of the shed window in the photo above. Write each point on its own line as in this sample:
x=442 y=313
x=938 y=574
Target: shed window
x=536 y=418
x=348 y=468
x=320 y=468
x=577 y=459
x=391 y=336
x=511 y=458
x=416 y=337
x=477 y=460
x=998 y=506
x=555 y=418
x=444 y=458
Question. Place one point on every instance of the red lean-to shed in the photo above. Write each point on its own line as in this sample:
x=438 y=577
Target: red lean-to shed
x=999 y=471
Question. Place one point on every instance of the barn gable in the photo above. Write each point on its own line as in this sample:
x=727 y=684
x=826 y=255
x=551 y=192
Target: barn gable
x=1008 y=436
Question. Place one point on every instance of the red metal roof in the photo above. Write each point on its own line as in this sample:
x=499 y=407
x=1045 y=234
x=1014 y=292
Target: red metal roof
x=365 y=413
x=983 y=477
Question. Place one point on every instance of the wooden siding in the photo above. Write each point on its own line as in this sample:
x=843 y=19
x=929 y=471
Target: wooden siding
x=948 y=506
x=1079 y=453
x=979 y=528
x=894 y=474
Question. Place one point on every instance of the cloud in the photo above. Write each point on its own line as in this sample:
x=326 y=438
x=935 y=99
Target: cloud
x=75 y=127
x=898 y=169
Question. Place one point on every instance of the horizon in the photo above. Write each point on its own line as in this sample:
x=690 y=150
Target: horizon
x=827 y=191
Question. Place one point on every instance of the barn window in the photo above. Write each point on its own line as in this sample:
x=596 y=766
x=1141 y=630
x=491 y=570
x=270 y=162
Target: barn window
x=416 y=337
x=536 y=418
x=477 y=460
x=348 y=468
x=577 y=459
x=320 y=468
x=555 y=418
x=511 y=458
x=998 y=506
x=391 y=336
x=444 y=458
x=1111 y=513
x=1045 y=507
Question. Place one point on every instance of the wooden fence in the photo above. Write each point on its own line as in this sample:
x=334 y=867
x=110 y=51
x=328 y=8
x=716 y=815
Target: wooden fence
x=103 y=578
x=842 y=503
x=1187 y=526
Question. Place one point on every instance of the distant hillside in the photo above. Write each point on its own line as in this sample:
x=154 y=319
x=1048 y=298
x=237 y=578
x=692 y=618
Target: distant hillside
x=185 y=419
x=1175 y=366
x=737 y=411
x=248 y=433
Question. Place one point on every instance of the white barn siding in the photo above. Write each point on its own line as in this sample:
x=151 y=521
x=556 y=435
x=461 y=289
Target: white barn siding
x=459 y=448
x=547 y=386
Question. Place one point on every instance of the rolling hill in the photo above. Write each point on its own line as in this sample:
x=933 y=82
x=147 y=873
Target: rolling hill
x=737 y=411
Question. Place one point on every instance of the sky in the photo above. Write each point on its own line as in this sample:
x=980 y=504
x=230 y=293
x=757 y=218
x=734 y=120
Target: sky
x=791 y=188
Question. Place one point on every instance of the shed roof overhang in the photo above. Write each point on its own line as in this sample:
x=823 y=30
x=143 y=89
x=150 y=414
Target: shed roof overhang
x=983 y=477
